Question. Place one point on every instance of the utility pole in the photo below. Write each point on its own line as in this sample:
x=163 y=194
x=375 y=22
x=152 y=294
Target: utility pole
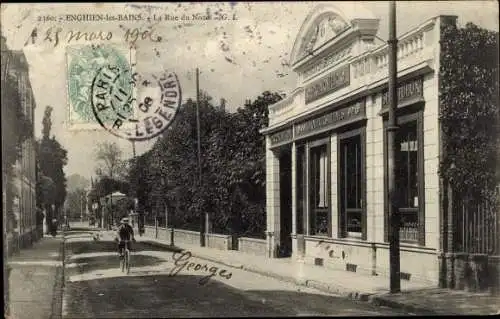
x=202 y=232
x=394 y=258
x=81 y=206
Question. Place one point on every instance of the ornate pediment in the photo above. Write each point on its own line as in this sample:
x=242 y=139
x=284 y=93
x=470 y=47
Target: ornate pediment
x=329 y=28
x=326 y=28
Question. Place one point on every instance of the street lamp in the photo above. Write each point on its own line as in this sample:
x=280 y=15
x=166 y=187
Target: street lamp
x=82 y=196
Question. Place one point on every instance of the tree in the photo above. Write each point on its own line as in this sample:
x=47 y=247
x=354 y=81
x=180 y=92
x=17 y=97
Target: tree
x=75 y=182
x=106 y=185
x=233 y=168
x=109 y=159
x=123 y=207
x=52 y=158
x=45 y=192
x=469 y=110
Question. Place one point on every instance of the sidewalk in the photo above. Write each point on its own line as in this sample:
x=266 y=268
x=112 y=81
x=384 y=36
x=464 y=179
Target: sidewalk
x=416 y=297
x=36 y=280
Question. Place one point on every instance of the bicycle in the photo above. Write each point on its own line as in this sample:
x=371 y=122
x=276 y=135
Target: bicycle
x=125 y=259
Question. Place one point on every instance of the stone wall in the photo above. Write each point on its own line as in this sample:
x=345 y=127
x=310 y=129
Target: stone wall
x=252 y=246
x=470 y=272
x=417 y=264
x=150 y=231
x=186 y=237
x=166 y=234
x=222 y=242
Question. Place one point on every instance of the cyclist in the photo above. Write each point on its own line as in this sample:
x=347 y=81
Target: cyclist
x=124 y=232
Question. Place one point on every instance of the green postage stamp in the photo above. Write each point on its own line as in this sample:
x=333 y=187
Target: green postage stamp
x=84 y=62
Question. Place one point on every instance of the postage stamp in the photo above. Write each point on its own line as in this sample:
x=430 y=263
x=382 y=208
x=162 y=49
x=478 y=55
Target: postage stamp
x=105 y=90
x=83 y=63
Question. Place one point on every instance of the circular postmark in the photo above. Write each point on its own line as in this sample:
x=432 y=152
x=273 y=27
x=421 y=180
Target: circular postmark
x=82 y=70
x=139 y=116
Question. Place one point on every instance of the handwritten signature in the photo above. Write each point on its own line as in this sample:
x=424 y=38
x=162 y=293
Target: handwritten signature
x=181 y=261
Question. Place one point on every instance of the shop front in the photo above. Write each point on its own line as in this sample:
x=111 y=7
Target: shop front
x=326 y=156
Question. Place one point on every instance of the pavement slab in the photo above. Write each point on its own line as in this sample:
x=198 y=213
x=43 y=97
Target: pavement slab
x=35 y=280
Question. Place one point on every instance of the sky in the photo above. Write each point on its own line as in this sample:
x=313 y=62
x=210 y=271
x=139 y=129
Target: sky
x=238 y=58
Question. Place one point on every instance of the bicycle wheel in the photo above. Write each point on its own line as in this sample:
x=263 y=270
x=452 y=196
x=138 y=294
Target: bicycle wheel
x=127 y=261
x=122 y=263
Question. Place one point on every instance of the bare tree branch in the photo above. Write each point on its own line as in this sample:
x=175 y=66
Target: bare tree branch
x=109 y=159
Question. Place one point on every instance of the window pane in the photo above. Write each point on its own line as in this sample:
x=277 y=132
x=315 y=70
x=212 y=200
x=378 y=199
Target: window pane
x=318 y=218
x=351 y=183
x=320 y=169
x=407 y=164
x=409 y=226
x=352 y=164
x=354 y=221
x=322 y=180
x=407 y=179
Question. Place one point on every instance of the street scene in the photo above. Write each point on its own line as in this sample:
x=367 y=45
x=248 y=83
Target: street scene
x=96 y=288
x=239 y=159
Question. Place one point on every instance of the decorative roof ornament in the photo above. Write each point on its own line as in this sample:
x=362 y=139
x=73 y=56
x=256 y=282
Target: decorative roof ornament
x=330 y=25
x=324 y=30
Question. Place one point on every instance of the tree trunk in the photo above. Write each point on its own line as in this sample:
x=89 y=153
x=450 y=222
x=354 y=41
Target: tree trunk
x=48 y=218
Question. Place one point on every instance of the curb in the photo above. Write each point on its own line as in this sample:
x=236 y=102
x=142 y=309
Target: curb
x=381 y=301
x=348 y=293
x=59 y=283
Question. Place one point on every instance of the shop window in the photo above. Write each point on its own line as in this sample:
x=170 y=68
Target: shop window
x=409 y=179
x=319 y=221
x=351 y=185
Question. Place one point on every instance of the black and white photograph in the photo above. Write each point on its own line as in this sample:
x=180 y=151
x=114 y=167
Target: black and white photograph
x=250 y=159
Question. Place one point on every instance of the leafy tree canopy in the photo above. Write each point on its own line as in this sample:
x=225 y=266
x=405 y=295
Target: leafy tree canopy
x=469 y=109
x=232 y=161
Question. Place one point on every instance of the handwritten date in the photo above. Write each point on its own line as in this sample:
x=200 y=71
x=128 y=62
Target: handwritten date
x=55 y=35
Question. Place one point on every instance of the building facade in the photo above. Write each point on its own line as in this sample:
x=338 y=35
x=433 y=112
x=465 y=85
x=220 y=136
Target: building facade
x=326 y=153
x=22 y=230
x=26 y=166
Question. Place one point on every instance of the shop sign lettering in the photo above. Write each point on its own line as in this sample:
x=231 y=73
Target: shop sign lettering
x=281 y=136
x=332 y=119
x=332 y=82
x=406 y=91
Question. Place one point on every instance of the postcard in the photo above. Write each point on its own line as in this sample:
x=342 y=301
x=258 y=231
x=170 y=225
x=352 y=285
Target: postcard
x=233 y=159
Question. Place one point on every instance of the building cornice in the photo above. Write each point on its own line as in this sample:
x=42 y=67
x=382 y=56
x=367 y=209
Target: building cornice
x=372 y=88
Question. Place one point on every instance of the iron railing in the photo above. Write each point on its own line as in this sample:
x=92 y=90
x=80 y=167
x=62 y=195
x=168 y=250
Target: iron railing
x=477 y=227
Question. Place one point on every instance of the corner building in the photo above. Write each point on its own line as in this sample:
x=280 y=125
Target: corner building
x=326 y=151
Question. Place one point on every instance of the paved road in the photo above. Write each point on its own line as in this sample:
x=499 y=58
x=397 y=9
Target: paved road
x=165 y=283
